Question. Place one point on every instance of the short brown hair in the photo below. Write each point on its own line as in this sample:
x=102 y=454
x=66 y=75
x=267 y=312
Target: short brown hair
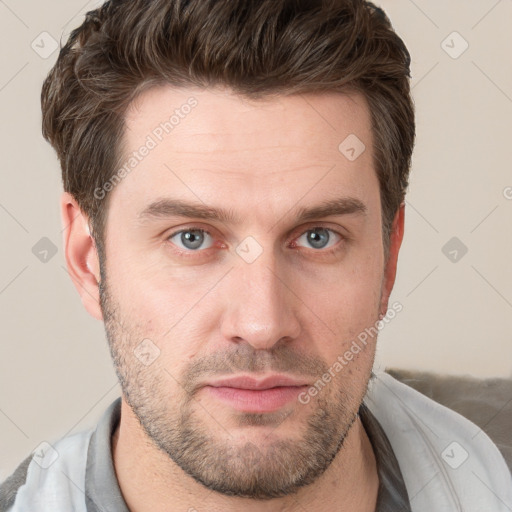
x=256 y=47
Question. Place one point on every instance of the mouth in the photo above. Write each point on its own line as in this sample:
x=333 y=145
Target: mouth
x=247 y=394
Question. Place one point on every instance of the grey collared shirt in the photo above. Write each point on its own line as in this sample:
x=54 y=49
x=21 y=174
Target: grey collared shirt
x=104 y=495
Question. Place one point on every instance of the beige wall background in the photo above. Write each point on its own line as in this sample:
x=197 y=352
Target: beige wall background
x=455 y=273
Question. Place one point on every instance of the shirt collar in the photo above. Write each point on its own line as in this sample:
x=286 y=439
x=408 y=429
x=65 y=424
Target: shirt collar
x=392 y=495
x=102 y=492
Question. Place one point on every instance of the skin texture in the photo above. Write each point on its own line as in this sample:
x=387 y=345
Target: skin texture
x=209 y=313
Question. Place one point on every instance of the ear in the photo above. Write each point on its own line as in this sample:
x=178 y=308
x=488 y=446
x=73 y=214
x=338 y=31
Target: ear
x=396 y=236
x=81 y=255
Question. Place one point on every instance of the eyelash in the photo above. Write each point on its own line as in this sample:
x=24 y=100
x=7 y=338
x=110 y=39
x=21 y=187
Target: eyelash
x=191 y=253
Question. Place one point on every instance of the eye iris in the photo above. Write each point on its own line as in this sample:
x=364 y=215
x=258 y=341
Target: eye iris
x=194 y=240
x=316 y=240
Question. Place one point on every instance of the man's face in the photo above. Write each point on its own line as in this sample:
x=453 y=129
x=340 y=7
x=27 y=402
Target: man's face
x=262 y=293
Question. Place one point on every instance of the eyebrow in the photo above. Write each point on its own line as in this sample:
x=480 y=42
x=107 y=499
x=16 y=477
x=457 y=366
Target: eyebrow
x=165 y=208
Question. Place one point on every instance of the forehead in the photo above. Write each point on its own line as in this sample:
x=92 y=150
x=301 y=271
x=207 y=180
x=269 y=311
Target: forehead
x=218 y=115
x=213 y=145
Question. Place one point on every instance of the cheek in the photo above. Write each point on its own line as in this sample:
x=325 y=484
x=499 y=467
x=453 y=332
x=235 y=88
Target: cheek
x=151 y=289
x=165 y=308
x=348 y=307
x=350 y=290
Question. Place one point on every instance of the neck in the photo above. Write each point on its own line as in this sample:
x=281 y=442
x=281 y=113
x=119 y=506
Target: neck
x=150 y=481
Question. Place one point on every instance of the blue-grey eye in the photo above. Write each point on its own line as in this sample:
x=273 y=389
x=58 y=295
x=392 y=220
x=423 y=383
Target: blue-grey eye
x=191 y=239
x=318 y=238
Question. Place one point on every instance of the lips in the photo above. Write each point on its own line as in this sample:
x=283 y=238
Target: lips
x=248 y=394
x=247 y=382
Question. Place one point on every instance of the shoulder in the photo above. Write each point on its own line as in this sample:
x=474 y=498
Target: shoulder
x=9 y=487
x=50 y=478
x=446 y=459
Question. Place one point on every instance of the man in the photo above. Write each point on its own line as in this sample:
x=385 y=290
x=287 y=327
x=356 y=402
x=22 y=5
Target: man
x=234 y=177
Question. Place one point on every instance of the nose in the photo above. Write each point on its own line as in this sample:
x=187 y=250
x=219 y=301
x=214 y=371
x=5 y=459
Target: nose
x=261 y=306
